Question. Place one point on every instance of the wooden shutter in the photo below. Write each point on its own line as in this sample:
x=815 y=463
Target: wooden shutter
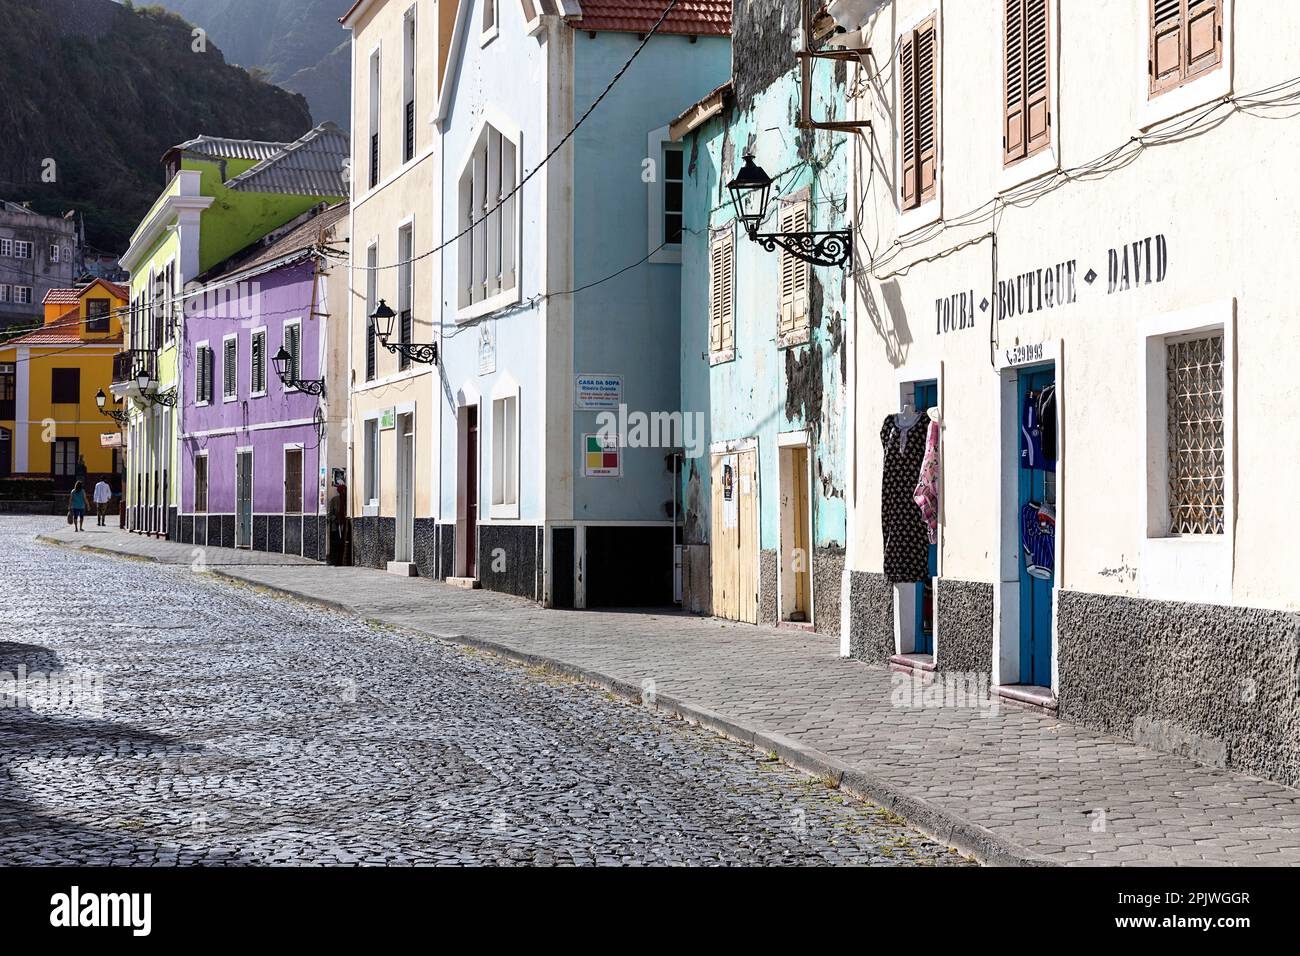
x=208 y=365
x=229 y=385
x=294 y=336
x=1166 y=55
x=794 y=276
x=1027 y=62
x=258 y=353
x=919 y=92
x=200 y=371
x=1186 y=41
x=722 y=323
x=1204 y=46
x=907 y=122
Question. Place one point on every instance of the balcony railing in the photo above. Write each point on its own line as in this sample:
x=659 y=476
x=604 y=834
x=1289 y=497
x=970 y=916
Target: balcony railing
x=128 y=363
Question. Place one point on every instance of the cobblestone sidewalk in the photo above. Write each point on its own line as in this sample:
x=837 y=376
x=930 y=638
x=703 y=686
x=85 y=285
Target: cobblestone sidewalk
x=1006 y=785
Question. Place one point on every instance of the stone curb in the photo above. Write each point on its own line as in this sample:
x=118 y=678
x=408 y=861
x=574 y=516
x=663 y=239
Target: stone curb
x=942 y=825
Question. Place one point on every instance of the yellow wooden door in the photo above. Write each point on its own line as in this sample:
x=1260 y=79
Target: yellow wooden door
x=747 y=530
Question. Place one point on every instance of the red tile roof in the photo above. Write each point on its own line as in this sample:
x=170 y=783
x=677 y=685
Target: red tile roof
x=55 y=335
x=72 y=296
x=693 y=17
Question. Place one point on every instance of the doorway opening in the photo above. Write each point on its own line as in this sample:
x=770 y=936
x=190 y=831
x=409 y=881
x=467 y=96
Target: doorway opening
x=796 y=533
x=403 y=542
x=467 y=493
x=734 y=551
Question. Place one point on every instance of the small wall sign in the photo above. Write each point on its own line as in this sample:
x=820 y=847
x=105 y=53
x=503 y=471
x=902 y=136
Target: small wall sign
x=596 y=390
x=601 y=457
x=387 y=419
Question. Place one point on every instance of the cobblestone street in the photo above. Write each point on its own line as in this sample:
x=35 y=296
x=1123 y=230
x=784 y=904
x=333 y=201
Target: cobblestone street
x=239 y=728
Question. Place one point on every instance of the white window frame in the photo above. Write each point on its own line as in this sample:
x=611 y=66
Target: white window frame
x=375 y=75
x=490 y=25
x=506 y=391
x=1194 y=568
x=207 y=483
x=1215 y=85
x=410 y=84
x=511 y=211
x=658 y=142
x=228 y=394
x=200 y=401
x=23 y=295
x=930 y=211
x=6 y=292
x=292 y=372
x=302 y=477
x=7 y=248
x=19 y=246
x=54 y=252
x=266 y=339
x=170 y=322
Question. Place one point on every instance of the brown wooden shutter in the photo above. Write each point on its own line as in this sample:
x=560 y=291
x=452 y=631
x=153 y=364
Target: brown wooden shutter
x=907 y=121
x=1166 y=52
x=1013 y=132
x=1204 y=48
x=927 y=109
x=1186 y=41
x=1038 y=104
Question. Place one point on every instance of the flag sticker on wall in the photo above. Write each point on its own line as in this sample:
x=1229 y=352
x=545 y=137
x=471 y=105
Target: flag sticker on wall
x=602 y=458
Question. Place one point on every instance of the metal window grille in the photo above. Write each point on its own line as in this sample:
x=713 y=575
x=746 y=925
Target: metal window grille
x=1196 y=435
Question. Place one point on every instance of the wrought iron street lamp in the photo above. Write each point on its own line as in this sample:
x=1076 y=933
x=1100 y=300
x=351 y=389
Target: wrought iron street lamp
x=114 y=413
x=751 y=191
x=143 y=380
x=382 y=322
x=283 y=363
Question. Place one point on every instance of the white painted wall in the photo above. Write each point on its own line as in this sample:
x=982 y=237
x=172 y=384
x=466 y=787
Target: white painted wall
x=1224 y=198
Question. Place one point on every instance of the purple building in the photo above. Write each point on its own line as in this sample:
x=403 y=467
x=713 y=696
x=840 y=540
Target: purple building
x=258 y=449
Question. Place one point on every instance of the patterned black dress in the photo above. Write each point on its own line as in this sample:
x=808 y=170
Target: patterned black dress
x=907 y=554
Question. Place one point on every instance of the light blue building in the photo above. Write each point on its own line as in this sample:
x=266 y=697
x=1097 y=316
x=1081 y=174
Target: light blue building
x=561 y=302
x=762 y=338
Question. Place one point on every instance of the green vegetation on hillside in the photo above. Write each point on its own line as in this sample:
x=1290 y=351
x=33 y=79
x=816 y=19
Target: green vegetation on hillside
x=103 y=91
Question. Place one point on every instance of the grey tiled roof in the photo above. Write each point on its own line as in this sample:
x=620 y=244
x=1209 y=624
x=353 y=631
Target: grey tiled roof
x=310 y=166
x=226 y=148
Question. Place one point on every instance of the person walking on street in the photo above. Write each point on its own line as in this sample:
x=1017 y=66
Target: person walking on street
x=103 y=495
x=77 y=506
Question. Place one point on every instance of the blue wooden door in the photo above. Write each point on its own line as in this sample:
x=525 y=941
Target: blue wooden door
x=925 y=396
x=1037 y=572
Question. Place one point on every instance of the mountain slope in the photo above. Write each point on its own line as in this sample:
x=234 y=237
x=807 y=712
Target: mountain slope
x=102 y=91
x=296 y=41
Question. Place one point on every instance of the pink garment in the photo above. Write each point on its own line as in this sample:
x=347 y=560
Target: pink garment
x=926 y=494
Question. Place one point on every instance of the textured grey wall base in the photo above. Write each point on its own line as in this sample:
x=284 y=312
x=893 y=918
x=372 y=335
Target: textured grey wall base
x=965 y=624
x=1216 y=684
x=871 y=617
x=767 y=587
x=697 y=579
x=828 y=579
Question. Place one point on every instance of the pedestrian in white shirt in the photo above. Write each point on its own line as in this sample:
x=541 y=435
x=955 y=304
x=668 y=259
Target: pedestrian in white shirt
x=103 y=495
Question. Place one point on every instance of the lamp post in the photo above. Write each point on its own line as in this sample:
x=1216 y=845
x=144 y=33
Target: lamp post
x=283 y=363
x=116 y=414
x=142 y=382
x=751 y=191
x=382 y=322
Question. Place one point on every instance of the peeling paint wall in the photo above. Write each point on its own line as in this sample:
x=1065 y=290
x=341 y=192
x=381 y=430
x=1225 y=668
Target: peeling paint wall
x=768 y=390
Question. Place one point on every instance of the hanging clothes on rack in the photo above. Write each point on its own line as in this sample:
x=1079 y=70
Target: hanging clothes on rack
x=1038 y=430
x=926 y=492
x=906 y=544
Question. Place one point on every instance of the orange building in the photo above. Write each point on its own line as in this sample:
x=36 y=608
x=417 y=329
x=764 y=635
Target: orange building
x=49 y=377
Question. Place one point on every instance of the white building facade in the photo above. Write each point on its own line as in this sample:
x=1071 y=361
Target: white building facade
x=1076 y=251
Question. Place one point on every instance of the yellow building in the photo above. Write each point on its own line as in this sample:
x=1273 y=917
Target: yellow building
x=49 y=418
